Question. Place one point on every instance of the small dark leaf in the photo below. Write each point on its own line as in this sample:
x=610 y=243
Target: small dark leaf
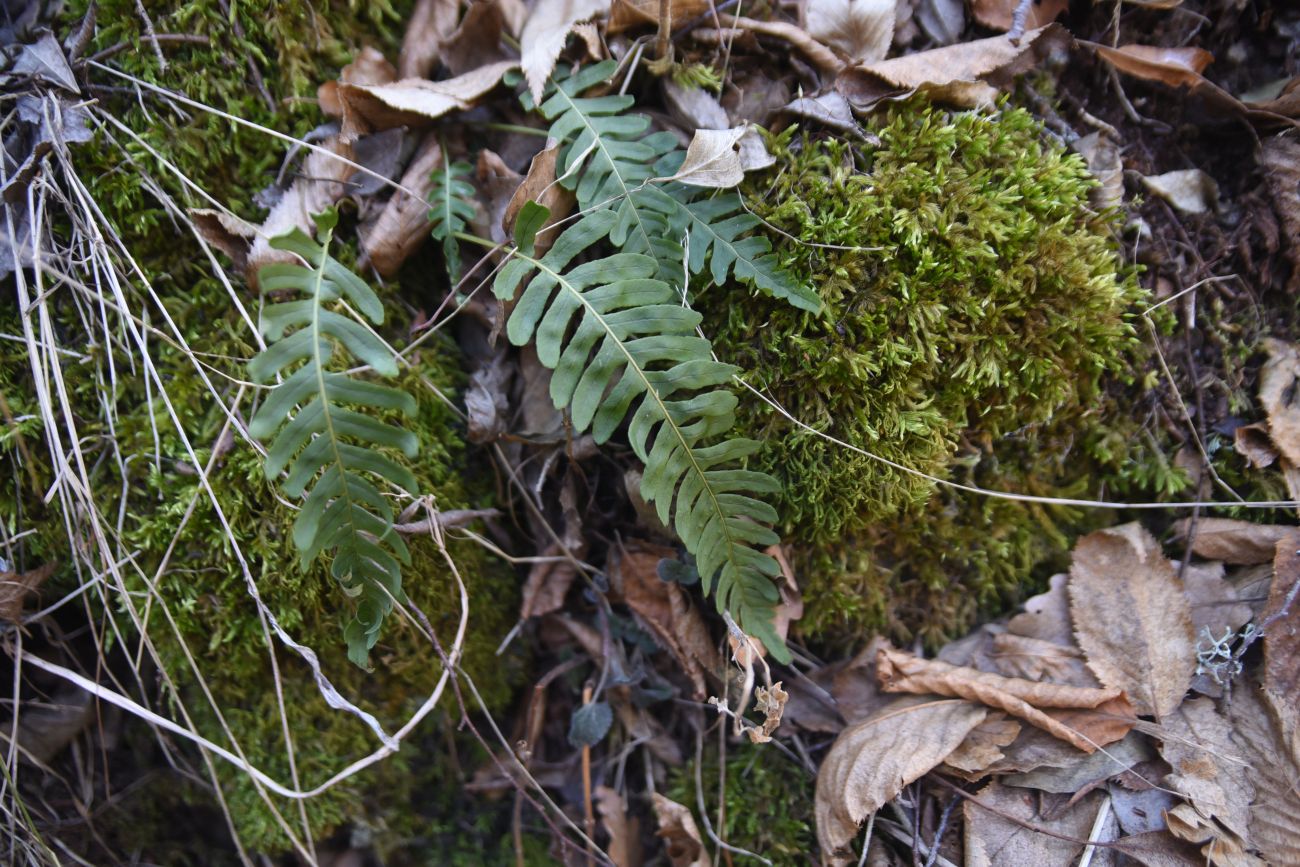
x=677 y=571
x=590 y=724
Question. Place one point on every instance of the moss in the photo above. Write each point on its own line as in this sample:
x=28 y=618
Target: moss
x=976 y=318
x=768 y=802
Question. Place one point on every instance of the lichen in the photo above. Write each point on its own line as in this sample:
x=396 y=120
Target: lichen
x=977 y=323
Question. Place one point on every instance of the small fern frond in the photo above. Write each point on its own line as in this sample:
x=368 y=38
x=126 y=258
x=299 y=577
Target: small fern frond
x=622 y=346
x=453 y=207
x=322 y=427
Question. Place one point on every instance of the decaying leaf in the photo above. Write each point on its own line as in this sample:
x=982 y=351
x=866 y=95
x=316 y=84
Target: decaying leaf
x=14 y=588
x=983 y=746
x=1131 y=617
x=476 y=41
x=771 y=704
x=1280 y=397
x=45 y=728
x=1191 y=191
x=993 y=837
x=1279 y=156
x=718 y=159
x=871 y=761
x=544 y=35
x=612 y=808
x=625 y=14
x=942 y=20
x=1159 y=849
x=1215 y=604
x=1086 y=773
x=998 y=14
x=226 y=232
x=486 y=400
x=860 y=29
x=1047 y=615
x=694 y=107
x=681 y=837
x=403 y=225
x=1101 y=153
x=427 y=31
x=548 y=583
x=416 y=101
x=540 y=186
x=1266 y=730
x=902 y=672
x=1282 y=624
x=1035 y=659
x=1176 y=67
x=856 y=688
x=1254 y=444
x=1241 y=543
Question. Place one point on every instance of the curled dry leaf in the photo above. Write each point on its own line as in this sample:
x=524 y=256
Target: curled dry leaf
x=713 y=159
x=403 y=225
x=1241 y=543
x=416 y=101
x=544 y=35
x=1088 y=772
x=1254 y=444
x=226 y=232
x=830 y=109
x=855 y=687
x=871 y=761
x=681 y=837
x=859 y=29
x=1047 y=615
x=548 y=583
x=1101 y=153
x=1176 y=67
x=1131 y=617
x=540 y=186
x=477 y=40
x=1265 y=728
x=790 y=608
x=427 y=31
x=1191 y=191
x=1282 y=624
x=487 y=402
x=998 y=14
x=993 y=836
x=902 y=672
x=953 y=73
x=1035 y=659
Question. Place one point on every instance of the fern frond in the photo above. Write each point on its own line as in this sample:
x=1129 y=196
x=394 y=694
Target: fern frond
x=623 y=347
x=453 y=208
x=610 y=161
x=324 y=429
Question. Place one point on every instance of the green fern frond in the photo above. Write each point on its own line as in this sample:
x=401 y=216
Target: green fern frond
x=610 y=161
x=623 y=347
x=453 y=208
x=324 y=429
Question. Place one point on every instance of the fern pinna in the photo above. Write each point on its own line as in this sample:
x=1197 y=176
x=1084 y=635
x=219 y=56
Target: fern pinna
x=451 y=211
x=623 y=346
x=609 y=161
x=325 y=432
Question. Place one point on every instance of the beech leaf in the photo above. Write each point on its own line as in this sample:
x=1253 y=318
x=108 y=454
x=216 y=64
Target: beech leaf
x=1176 y=67
x=415 y=101
x=719 y=158
x=545 y=33
x=1131 y=617
x=872 y=761
x=859 y=29
x=1265 y=727
x=680 y=834
x=1241 y=543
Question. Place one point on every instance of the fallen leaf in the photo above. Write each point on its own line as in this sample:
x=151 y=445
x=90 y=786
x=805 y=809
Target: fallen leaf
x=682 y=841
x=1279 y=156
x=902 y=672
x=993 y=837
x=1265 y=727
x=643 y=728
x=871 y=761
x=1240 y=543
x=497 y=185
x=1141 y=811
x=545 y=33
x=1254 y=444
x=822 y=58
x=428 y=29
x=1218 y=847
x=416 y=101
x=548 y=583
x=856 y=688
x=626 y=14
x=540 y=186
x=943 y=20
x=715 y=159
x=403 y=225
x=1159 y=849
x=790 y=608
x=953 y=73
x=487 y=402
x=811 y=707
x=226 y=232
x=322 y=181
x=45 y=728
x=1047 y=615
x=830 y=109
x=1176 y=67
x=861 y=30
x=997 y=14
x=983 y=746
x=1280 y=397
x=1035 y=659
x=1281 y=619
x=666 y=610
x=1208 y=769
x=45 y=61
x=612 y=808
x=1106 y=723
x=1215 y=604
x=477 y=40
x=694 y=107
x=1131 y=618
x=1101 y=153
x=1088 y=771
x=590 y=723
x=1191 y=191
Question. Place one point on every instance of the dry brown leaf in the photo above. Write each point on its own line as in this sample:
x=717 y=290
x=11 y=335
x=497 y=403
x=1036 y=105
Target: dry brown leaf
x=1281 y=619
x=694 y=107
x=1219 y=848
x=540 y=186
x=1131 y=617
x=477 y=40
x=403 y=225
x=1101 y=153
x=1254 y=444
x=856 y=688
x=1265 y=727
x=666 y=610
x=771 y=704
x=1191 y=191
x=547 y=585
x=1280 y=397
x=430 y=25
x=487 y=402
x=1240 y=543
x=545 y=33
x=1104 y=724
x=1047 y=615
x=681 y=837
x=1215 y=603
x=625 y=14
x=871 y=761
x=861 y=30
x=1280 y=158
x=322 y=182
x=942 y=20
x=1176 y=67
x=953 y=73
x=713 y=159
x=612 y=808
x=416 y=101
x=997 y=14
x=1159 y=849
x=821 y=57
x=983 y=746
x=790 y=608
x=1035 y=659
x=643 y=728
x=902 y=672
x=226 y=232
x=1088 y=772
x=45 y=728
x=1208 y=770
x=993 y=839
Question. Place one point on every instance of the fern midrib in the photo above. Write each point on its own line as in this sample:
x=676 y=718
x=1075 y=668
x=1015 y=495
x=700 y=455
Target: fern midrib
x=650 y=390
x=318 y=277
x=599 y=141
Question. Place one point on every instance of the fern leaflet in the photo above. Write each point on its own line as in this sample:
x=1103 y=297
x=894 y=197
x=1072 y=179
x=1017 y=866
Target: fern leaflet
x=452 y=210
x=324 y=429
x=623 y=347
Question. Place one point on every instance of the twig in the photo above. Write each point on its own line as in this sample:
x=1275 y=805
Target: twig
x=1018 y=19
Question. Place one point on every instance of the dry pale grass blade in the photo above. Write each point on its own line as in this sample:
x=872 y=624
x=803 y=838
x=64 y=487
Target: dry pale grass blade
x=1240 y=543
x=681 y=836
x=544 y=35
x=861 y=30
x=1266 y=730
x=1176 y=67
x=873 y=760
x=1131 y=618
